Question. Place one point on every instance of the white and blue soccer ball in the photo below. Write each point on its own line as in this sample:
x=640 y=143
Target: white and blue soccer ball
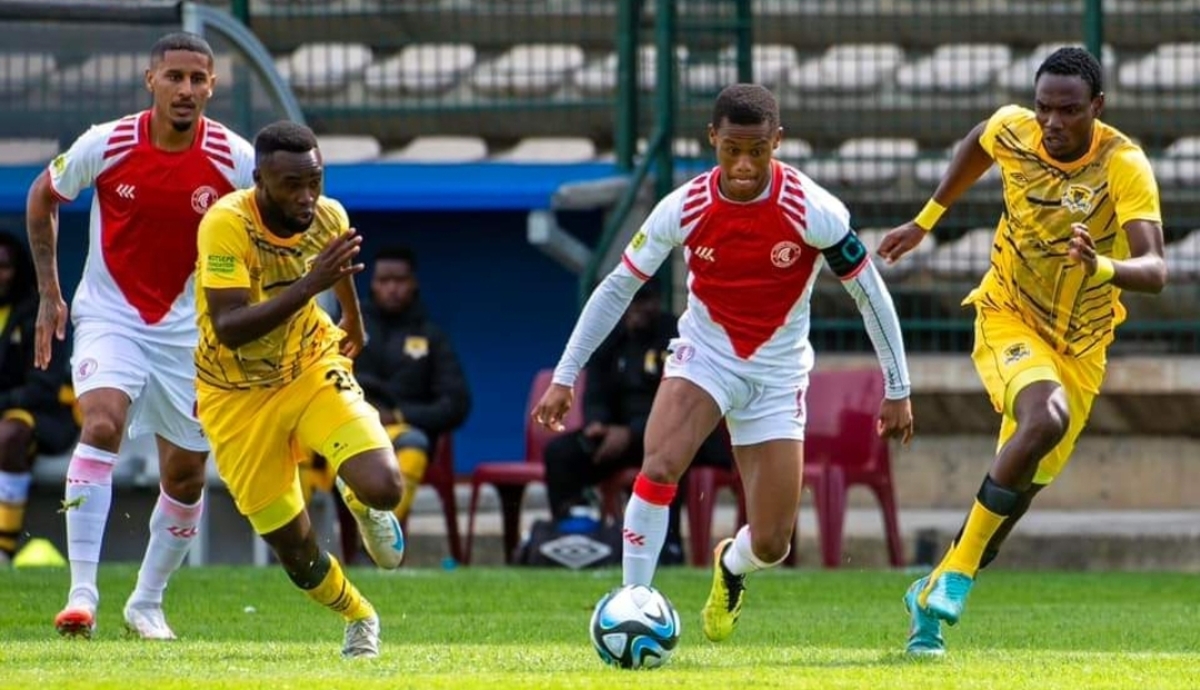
x=635 y=626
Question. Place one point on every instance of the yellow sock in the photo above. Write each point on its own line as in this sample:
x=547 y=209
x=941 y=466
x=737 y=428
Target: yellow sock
x=336 y=592
x=12 y=517
x=413 y=462
x=965 y=554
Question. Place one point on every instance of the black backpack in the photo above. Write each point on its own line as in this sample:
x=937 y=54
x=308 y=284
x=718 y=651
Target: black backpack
x=548 y=546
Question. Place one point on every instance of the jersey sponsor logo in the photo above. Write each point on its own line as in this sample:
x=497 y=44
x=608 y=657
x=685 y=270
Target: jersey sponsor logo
x=638 y=240
x=416 y=346
x=59 y=164
x=1015 y=353
x=683 y=353
x=125 y=191
x=1078 y=198
x=220 y=265
x=706 y=253
x=784 y=254
x=202 y=198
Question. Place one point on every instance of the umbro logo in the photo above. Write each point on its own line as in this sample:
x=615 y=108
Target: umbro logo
x=125 y=191
x=705 y=253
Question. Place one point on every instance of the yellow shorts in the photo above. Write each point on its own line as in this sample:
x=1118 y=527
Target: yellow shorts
x=260 y=436
x=1009 y=355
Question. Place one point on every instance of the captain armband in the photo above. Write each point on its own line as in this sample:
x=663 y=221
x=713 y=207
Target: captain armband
x=847 y=256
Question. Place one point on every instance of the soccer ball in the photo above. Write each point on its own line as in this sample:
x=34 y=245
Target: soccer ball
x=635 y=627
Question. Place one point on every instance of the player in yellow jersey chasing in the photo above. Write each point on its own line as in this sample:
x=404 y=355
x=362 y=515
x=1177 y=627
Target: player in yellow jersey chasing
x=1081 y=223
x=273 y=372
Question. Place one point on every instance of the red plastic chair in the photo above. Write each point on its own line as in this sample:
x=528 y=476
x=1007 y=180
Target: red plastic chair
x=841 y=449
x=511 y=477
x=703 y=483
x=440 y=475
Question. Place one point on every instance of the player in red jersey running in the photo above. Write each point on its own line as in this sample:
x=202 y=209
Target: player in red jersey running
x=155 y=173
x=755 y=233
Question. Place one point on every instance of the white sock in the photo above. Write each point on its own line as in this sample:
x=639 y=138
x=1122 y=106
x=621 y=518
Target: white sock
x=645 y=531
x=173 y=528
x=740 y=559
x=88 y=498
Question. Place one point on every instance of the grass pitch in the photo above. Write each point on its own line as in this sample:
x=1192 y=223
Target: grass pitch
x=507 y=628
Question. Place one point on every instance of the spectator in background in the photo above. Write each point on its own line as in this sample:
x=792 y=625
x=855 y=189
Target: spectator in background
x=622 y=380
x=408 y=369
x=36 y=413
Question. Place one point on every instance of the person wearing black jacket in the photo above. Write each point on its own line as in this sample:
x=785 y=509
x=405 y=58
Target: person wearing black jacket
x=622 y=380
x=36 y=414
x=408 y=369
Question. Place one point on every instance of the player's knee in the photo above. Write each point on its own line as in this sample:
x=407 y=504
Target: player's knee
x=384 y=488
x=183 y=476
x=103 y=429
x=663 y=465
x=1049 y=422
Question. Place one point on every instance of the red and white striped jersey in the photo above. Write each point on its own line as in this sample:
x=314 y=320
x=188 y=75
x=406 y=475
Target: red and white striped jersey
x=751 y=267
x=144 y=218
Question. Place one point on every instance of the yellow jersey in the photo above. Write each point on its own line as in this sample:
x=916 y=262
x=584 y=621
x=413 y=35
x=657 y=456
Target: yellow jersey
x=1111 y=185
x=237 y=251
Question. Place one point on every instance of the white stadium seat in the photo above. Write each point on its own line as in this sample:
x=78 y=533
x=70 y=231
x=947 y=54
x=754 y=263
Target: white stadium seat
x=599 y=78
x=440 y=149
x=20 y=71
x=338 y=148
x=321 y=69
x=867 y=162
x=102 y=73
x=528 y=70
x=1171 y=67
x=1179 y=166
x=967 y=257
x=421 y=69
x=851 y=68
x=550 y=150
x=928 y=170
x=1018 y=76
x=955 y=68
x=27 y=151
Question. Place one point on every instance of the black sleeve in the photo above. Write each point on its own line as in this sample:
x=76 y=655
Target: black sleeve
x=40 y=389
x=597 y=398
x=847 y=256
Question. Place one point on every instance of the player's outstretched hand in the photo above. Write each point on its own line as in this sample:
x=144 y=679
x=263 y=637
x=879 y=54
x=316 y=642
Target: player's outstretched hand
x=553 y=407
x=51 y=323
x=896 y=420
x=900 y=241
x=1081 y=249
x=335 y=261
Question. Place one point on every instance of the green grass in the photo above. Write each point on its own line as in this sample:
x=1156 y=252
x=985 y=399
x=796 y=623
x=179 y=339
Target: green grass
x=505 y=628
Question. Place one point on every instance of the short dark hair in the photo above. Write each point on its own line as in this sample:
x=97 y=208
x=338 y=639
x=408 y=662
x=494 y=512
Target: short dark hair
x=24 y=279
x=1073 y=61
x=746 y=104
x=283 y=135
x=180 y=40
x=398 y=253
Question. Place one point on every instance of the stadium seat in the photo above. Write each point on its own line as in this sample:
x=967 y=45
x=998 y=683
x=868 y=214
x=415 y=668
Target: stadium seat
x=1171 y=67
x=852 y=68
x=1183 y=259
x=348 y=148
x=550 y=150
x=1017 y=78
x=22 y=71
x=682 y=148
x=1179 y=166
x=841 y=449
x=102 y=74
x=968 y=257
x=929 y=169
x=955 y=68
x=510 y=478
x=440 y=149
x=528 y=70
x=913 y=262
x=867 y=163
x=27 y=151
x=323 y=69
x=440 y=475
x=794 y=151
x=420 y=69
x=599 y=78
x=770 y=64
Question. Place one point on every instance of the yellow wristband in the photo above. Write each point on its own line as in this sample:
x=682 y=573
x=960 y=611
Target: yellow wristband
x=930 y=215
x=1105 y=270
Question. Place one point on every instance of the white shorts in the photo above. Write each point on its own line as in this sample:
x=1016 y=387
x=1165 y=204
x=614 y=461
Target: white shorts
x=754 y=412
x=159 y=380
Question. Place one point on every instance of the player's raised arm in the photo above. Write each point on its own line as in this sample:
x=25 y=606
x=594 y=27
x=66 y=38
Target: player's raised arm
x=642 y=257
x=970 y=161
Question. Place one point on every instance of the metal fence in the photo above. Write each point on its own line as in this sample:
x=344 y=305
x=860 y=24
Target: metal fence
x=875 y=94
